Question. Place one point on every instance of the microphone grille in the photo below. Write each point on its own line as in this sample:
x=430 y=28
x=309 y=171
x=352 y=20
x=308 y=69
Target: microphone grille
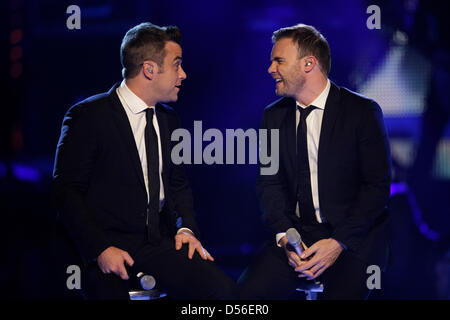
x=148 y=282
x=293 y=236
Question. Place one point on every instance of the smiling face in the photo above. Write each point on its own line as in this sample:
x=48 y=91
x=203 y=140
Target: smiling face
x=170 y=75
x=286 y=68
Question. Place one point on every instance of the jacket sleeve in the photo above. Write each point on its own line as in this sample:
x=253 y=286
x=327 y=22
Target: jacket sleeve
x=181 y=194
x=74 y=165
x=272 y=190
x=375 y=175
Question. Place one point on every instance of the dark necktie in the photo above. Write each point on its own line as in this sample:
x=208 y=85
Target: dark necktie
x=151 y=147
x=304 y=194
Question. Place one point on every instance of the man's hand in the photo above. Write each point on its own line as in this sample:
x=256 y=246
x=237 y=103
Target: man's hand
x=112 y=259
x=194 y=245
x=293 y=258
x=322 y=255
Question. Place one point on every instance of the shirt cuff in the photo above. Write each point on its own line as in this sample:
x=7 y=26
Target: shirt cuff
x=279 y=236
x=184 y=229
x=343 y=245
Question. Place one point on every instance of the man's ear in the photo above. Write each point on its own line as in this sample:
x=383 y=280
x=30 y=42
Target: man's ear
x=150 y=68
x=310 y=63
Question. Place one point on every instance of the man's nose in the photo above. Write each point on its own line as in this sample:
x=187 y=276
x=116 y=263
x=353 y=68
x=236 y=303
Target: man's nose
x=272 y=68
x=182 y=74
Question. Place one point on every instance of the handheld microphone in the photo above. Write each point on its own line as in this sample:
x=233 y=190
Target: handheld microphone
x=147 y=282
x=294 y=239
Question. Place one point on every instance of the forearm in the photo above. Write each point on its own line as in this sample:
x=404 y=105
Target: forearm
x=370 y=206
x=80 y=225
x=75 y=160
x=272 y=194
x=375 y=178
x=183 y=201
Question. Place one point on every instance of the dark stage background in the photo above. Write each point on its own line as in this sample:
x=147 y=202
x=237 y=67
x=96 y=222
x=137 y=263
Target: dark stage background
x=404 y=66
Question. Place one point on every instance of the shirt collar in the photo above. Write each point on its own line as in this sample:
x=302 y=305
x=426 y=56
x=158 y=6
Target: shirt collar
x=133 y=102
x=321 y=100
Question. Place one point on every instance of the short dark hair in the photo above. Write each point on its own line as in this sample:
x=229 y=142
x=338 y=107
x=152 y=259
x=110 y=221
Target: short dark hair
x=309 y=41
x=145 y=41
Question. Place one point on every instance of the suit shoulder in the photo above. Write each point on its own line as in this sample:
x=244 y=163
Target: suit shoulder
x=91 y=107
x=279 y=104
x=169 y=113
x=363 y=108
x=357 y=99
x=161 y=107
x=90 y=103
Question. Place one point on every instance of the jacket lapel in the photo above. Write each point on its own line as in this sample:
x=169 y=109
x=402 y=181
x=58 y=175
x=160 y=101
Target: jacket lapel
x=330 y=115
x=164 y=135
x=290 y=135
x=123 y=125
x=329 y=118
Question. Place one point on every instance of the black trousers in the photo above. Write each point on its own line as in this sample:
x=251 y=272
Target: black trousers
x=175 y=274
x=270 y=276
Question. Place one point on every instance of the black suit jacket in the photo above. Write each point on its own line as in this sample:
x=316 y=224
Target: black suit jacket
x=353 y=172
x=98 y=183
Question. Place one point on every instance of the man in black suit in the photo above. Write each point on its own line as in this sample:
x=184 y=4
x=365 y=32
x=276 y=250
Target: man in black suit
x=126 y=205
x=334 y=193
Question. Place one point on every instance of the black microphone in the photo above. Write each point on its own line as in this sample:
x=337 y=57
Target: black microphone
x=294 y=239
x=147 y=282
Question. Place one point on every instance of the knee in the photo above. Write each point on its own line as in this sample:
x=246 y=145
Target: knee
x=247 y=287
x=226 y=289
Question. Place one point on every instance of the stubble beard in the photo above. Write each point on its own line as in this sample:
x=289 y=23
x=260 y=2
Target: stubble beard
x=292 y=90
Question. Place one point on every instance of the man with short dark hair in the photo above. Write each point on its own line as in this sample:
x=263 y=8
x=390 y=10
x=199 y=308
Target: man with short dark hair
x=333 y=183
x=128 y=208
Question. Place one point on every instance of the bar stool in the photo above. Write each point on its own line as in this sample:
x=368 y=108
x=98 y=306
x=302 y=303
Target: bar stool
x=312 y=289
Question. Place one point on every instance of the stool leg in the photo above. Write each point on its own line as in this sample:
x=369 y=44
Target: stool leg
x=311 y=295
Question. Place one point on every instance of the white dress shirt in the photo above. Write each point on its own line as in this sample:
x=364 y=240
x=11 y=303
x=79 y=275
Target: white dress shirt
x=135 y=108
x=313 y=125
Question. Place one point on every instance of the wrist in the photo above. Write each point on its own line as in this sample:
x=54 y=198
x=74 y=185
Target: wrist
x=283 y=242
x=339 y=244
